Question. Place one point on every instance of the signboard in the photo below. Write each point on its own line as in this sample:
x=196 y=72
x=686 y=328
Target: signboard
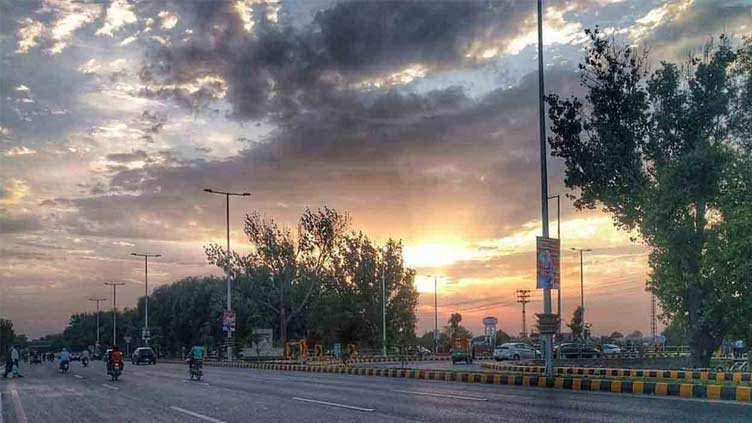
x=145 y=334
x=228 y=321
x=548 y=252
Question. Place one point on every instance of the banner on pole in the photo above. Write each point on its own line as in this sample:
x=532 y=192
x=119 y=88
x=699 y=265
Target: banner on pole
x=228 y=321
x=548 y=253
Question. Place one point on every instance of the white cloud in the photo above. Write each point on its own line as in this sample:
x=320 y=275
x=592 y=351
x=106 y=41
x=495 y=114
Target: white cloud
x=22 y=87
x=119 y=14
x=28 y=34
x=68 y=17
x=666 y=12
x=20 y=151
x=128 y=40
x=169 y=19
x=94 y=67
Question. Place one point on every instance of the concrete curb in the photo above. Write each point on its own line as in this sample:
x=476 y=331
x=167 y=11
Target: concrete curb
x=684 y=390
x=735 y=377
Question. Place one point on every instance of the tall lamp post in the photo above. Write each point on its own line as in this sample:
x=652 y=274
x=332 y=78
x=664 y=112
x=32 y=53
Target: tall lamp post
x=435 y=313
x=582 y=289
x=227 y=273
x=145 y=334
x=97 y=300
x=114 y=286
x=548 y=337
x=558 y=236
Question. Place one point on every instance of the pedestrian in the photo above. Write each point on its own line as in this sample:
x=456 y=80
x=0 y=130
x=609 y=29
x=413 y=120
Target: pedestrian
x=15 y=356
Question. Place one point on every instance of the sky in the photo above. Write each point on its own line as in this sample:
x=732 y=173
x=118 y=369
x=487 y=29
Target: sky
x=418 y=118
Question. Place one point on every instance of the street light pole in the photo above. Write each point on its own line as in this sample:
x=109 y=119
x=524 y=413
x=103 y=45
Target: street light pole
x=383 y=313
x=558 y=236
x=582 y=289
x=227 y=273
x=435 y=315
x=114 y=286
x=146 y=256
x=97 y=300
x=547 y=338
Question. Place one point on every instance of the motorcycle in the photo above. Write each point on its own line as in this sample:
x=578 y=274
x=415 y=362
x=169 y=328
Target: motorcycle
x=85 y=362
x=116 y=370
x=194 y=370
x=64 y=366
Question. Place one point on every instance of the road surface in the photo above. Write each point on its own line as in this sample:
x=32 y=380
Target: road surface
x=161 y=393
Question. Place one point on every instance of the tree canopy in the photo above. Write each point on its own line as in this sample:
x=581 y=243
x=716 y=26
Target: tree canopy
x=667 y=154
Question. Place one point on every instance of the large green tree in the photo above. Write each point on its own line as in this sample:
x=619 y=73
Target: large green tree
x=666 y=153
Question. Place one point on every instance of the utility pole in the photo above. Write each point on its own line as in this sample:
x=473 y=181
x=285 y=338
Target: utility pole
x=227 y=273
x=523 y=297
x=582 y=284
x=558 y=236
x=145 y=334
x=653 y=322
x=435 y=315
x=114 y=286
x=383 y=313
x=547 y=337
x=97 y=300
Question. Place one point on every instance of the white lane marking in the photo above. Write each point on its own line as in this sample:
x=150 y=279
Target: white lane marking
x=20 y=413
x=432 y=394
x=333 y=404
x=114 y=388
x=199 y=416
x=78 y=376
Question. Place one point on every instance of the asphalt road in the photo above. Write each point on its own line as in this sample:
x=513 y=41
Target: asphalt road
x=161 y=393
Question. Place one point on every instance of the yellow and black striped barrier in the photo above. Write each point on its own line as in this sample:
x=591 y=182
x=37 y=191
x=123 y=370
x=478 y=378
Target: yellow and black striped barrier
x=735 y=377
x=685 y=390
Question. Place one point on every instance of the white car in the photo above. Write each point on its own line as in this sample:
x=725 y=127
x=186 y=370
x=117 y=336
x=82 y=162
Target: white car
x=515 y=351
x=611 y=349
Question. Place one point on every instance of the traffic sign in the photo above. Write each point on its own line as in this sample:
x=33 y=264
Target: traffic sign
x=228 y=321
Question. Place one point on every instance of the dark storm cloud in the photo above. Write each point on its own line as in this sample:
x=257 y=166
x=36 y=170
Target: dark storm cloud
x=280 y=70
x=19 y=224
x=441 y=149
x=128 y=157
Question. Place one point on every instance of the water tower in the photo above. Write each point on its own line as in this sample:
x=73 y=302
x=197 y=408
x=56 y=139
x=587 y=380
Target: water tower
x=489 y=323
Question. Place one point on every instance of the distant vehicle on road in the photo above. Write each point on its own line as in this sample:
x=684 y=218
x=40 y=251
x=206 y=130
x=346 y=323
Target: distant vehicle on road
x=611 y=349
x=74 y=356
x=515 y=351
x=575 y=350
x=143 y=355
x=461 y=351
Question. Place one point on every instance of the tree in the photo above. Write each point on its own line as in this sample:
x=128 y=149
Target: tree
x=502 y=337
x=454 y=329
x=576 y=325
x=616 y=336
x=287 y=269
x=675 y=333
x=7 y=336
x=635 y=335
x=667 y=155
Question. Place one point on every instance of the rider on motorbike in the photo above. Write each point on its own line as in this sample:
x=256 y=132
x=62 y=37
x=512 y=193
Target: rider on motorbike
x=196 y=357
x=64 y=358
x=115 y=356
x=85 y=357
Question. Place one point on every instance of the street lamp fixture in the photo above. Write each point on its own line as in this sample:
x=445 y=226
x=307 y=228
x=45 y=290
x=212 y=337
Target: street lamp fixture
x=227 y=195
x=582 y=289
x=145 y=334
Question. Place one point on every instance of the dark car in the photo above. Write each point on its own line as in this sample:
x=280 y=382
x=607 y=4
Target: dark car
x=144 y=355
x=575 y=350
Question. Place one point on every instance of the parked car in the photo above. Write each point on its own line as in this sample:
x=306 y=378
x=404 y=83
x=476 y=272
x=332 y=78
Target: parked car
x=575 y=350
x=515 y=351
x=143 y=355
x=610 y=349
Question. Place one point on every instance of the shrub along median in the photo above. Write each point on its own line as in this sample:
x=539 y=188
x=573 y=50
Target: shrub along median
x=685 y=390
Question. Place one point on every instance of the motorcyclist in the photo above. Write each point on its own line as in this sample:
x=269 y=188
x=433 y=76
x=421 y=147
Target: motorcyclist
x=64 y=358
x=115 y=356
x=85 y=357
x=196 y=357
